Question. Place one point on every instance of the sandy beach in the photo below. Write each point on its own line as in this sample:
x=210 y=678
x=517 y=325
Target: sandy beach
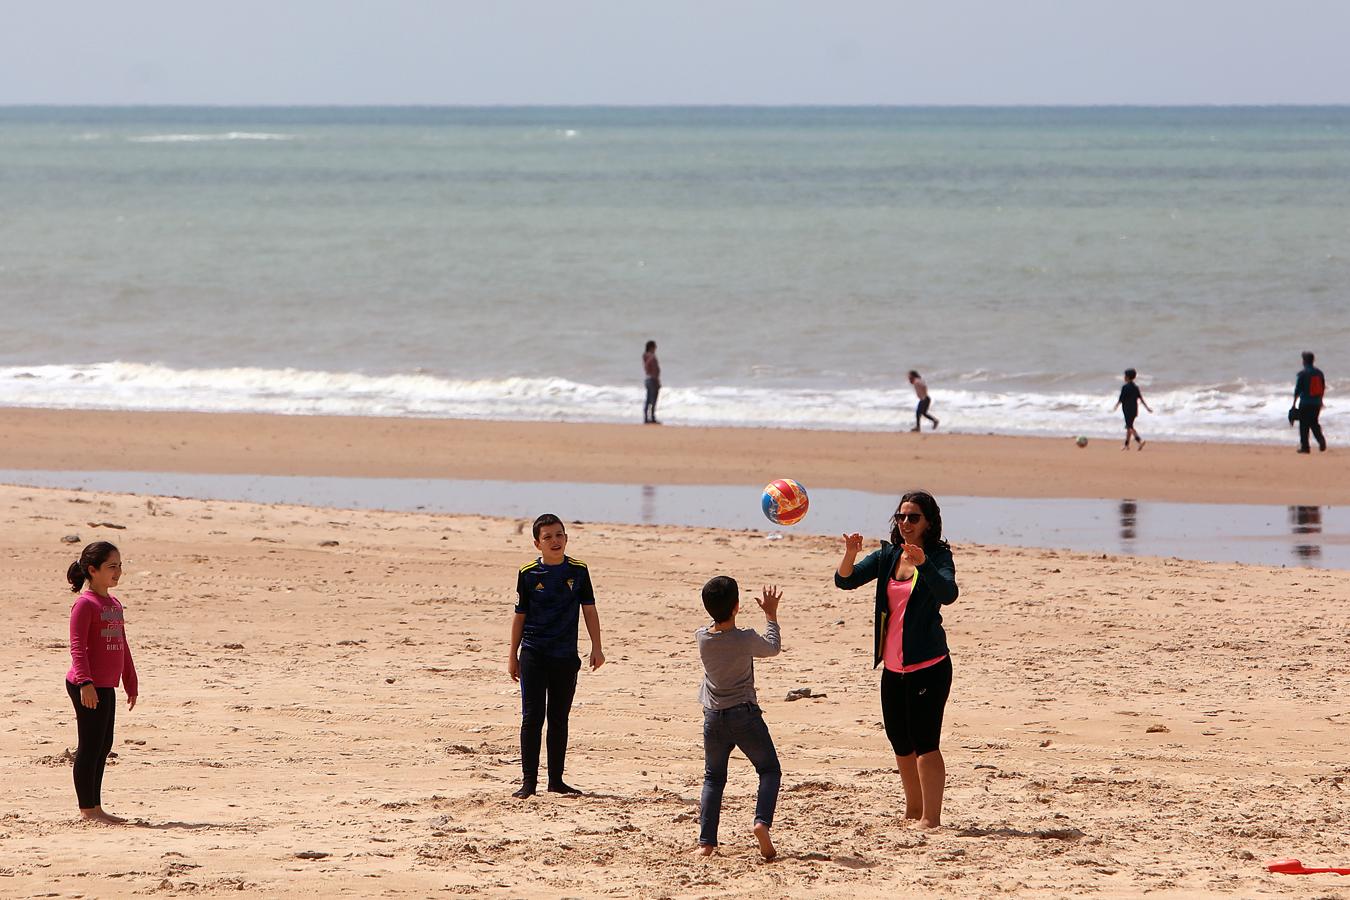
x=325 y=710
x=947 y=464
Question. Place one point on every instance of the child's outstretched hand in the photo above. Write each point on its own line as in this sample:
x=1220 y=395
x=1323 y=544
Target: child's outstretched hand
x=769 y=602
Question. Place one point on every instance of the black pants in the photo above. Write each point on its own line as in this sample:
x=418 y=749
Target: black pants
x=1308 y=415
x=547 y=686
x=921 y=412
x=912 y=706
x=96 y=740
x=649 y=408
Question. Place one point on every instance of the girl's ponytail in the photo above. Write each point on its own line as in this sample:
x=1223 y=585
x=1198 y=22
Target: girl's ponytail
x=76 y=576
x=92 y=557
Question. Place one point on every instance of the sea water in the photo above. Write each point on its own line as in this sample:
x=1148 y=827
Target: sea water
x=792 y=264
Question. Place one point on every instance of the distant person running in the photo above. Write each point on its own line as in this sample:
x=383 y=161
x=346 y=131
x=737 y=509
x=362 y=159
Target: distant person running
x=1129 y=401
x=552 y=593
x=921 y=411
x=99 y=660
x=652 y=368
x=1309 y=387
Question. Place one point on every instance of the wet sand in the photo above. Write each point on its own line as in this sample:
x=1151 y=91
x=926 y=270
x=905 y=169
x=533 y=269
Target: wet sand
x=967 y=465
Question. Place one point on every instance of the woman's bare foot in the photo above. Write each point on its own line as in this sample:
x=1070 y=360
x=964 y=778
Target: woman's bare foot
x=705 y=850
x=109 y=817
x=92 y=814
x=766 y=849
x=929 y=824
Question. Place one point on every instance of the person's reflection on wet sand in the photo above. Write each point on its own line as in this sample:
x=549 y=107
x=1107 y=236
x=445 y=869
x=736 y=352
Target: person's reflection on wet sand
x=1129 y=517
x=648 y=504
x=1306 y=520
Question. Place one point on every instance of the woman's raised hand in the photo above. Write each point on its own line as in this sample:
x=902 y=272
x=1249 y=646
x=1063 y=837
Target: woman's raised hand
x=853 y=544
x=913 y=554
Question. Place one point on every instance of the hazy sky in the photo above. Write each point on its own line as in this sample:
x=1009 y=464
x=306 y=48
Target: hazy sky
x=686 y=52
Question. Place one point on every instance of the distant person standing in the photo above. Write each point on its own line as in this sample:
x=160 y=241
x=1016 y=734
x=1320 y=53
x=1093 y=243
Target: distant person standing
x=652 y=368
x=1129 y=401
x=1309 y=387
x=921 y=411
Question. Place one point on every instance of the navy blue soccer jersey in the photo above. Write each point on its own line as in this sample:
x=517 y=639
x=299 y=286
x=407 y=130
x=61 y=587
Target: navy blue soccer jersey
x=551 y=598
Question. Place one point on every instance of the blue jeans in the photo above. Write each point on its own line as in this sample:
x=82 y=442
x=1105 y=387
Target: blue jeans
x=723 y=729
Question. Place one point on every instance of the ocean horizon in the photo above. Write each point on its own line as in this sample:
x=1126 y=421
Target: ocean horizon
x=793 y=263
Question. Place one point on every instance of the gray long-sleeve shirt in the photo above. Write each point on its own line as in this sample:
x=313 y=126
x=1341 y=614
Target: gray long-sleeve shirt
x=729 y=663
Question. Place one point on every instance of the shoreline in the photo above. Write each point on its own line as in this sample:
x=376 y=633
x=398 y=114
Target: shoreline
x=947 y=464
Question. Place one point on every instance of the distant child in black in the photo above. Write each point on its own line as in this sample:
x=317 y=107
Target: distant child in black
x=1129 y=401
x=551 y=594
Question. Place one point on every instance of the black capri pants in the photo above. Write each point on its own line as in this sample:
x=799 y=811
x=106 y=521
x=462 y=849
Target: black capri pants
x=912 y=706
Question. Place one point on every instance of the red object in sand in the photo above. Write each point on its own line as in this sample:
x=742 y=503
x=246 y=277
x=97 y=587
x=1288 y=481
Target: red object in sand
x=1294 y=867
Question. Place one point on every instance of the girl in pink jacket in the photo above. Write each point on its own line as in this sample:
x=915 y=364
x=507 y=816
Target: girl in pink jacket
x=99 y=659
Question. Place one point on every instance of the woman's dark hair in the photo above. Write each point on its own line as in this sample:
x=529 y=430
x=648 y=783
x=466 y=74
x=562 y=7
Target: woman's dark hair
x=651 y=345
x=932 y=538
x=92 y=557
x=720 y=596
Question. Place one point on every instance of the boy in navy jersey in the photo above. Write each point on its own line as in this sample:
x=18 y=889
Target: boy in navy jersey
x=551 y=594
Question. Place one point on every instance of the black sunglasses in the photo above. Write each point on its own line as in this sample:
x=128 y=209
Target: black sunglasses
x=911 y=518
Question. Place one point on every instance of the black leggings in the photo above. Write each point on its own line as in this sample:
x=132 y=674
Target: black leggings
x=912 y=707
x=547 y=686
x=96 y=740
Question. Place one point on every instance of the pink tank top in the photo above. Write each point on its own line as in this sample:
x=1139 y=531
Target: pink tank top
x=897 y=598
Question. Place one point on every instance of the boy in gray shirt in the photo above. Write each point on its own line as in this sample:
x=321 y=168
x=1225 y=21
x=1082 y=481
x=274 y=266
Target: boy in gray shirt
x=731 y=715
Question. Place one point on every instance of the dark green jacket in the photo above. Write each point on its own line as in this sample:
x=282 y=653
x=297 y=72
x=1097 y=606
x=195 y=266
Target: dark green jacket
x=923 y=638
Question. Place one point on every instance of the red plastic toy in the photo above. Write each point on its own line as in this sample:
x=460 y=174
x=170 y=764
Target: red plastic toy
x=1294 y=867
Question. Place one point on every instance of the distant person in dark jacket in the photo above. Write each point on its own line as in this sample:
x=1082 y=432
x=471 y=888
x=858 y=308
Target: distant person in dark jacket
x=1129 y=401
x=1309 y=387
x=915 y=578
x=652 y=369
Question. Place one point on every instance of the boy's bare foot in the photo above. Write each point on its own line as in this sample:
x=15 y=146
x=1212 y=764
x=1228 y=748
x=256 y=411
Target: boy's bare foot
x=766 y=849
x=559 y=787
x=525 y=790
x=929 y=824
x=1140 y=446
x=705 y=850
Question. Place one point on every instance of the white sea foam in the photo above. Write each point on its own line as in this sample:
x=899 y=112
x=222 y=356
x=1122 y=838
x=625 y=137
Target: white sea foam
x=1232 y=412
x=201 y=138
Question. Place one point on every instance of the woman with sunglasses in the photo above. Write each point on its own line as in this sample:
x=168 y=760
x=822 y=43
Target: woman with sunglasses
x=915 y=578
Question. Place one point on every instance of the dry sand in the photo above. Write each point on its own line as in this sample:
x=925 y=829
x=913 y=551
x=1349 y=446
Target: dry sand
x=1117 y=726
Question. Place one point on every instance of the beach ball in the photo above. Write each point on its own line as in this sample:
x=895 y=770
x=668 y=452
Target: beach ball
x=784 y=501
x=1081 y=441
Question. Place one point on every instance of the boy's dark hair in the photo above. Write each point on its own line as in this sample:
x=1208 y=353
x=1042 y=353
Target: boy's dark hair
x=547 y=519
x=720 y=596
x=932 y=538
x=913 y=374
x=1307 y=357
x=651 y=345
x=92 y=557
x=1130 y=373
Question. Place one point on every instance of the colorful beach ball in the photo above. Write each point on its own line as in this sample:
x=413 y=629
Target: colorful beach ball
x=784 y=501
